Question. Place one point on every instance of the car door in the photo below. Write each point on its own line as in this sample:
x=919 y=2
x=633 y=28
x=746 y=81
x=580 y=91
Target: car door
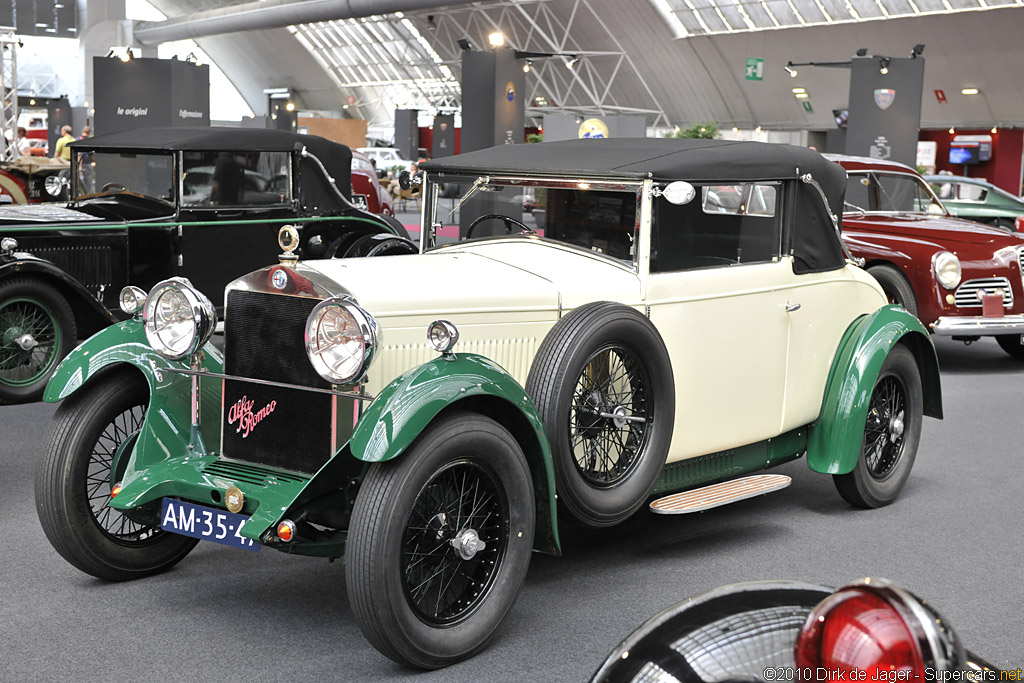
x=717 y=292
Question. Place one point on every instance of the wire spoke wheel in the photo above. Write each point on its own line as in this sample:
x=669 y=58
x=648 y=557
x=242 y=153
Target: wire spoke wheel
x=455 y=540
x=884 y=431
x=114 y=523
x=31 y=340
x=609 y=415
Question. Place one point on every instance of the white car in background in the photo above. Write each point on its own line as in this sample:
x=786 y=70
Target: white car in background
x=387 y=158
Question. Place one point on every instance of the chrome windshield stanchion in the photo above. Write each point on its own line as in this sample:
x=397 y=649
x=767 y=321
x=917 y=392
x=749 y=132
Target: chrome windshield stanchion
x=809 y=179
x=195 y=437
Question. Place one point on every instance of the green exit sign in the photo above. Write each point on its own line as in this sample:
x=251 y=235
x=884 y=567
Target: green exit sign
x=807 y=107
x=755 y=69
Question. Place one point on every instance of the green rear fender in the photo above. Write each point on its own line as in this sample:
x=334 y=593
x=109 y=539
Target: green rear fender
x=466 y=381
x=834 y=442
x=166 y=428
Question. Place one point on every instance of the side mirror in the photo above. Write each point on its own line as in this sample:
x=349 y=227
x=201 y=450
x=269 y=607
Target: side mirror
x=679 y=192
x=54 y=185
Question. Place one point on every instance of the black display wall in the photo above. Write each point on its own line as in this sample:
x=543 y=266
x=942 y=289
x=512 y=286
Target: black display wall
x=885 y=108
x=149 y=93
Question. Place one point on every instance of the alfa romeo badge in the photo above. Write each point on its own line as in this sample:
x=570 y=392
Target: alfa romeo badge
x=234 y=499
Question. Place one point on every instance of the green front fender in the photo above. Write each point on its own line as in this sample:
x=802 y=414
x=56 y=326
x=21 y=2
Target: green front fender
x=167 y=426
x=834 y=442
x=406 y=406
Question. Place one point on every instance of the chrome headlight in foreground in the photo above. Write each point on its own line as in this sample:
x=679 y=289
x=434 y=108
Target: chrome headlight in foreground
x=178 y=318
x=947 y=269
x=341 y=340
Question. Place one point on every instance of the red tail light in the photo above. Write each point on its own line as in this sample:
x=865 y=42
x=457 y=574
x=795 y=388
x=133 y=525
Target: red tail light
x=859 y=631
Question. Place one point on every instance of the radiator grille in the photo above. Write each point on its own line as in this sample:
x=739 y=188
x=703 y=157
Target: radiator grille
x=276 y=426
x=1020 y=262
x=90 y=264
x=250 y=474
x=515 y=355
x=967 y=293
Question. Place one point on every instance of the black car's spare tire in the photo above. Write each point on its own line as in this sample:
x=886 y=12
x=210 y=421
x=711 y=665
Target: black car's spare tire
x=602 y=383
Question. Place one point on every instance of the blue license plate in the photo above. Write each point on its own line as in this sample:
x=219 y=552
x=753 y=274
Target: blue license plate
x=208 y=524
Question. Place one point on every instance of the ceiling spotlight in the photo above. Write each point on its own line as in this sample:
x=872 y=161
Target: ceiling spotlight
x=917 y=50
x=290 y=106
x=527 y=66
x=952 y=130
x=127 y=56
x=464 y=44
x=969 y=91
x=790 y=70
x=797 y=91
x=995 y=129
x=572 y=62
x=862 y=52
x=883 y=66
x=496 y=39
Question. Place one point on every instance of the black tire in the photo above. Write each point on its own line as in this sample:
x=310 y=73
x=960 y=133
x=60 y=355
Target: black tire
x=602 y=358
x=405 y=507
x=889 y=447
x=1011 y=344
x=895 y=286
x=36 y=309
x=73 y=485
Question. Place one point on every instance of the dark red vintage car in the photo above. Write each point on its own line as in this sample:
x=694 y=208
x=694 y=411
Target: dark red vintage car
x=366 y=187
x=962 y=279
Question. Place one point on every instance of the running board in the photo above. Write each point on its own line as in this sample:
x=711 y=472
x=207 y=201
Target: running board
x=723 y=493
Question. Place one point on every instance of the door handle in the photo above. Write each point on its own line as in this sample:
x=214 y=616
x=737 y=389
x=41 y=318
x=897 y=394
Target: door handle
x=792 y=307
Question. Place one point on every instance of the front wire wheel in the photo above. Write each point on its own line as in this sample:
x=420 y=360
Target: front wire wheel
x=440 y=542
x=892 y=432
x=92 y=432
x=609 y=415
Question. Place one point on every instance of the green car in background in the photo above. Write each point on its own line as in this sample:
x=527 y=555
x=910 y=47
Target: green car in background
x=977 y=200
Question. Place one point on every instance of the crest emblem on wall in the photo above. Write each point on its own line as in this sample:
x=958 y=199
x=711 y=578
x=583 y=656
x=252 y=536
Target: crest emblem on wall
x=884 y=98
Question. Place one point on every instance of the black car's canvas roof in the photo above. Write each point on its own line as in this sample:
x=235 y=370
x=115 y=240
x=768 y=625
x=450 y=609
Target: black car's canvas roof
x=208 y=138
x=658 y=158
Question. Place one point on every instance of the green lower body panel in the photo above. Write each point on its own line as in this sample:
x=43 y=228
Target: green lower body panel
x=715 y=467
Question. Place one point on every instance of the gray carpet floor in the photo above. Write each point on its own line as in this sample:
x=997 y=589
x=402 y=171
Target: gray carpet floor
x=954 y=538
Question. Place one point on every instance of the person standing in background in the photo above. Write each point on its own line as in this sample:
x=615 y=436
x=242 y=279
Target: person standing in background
x=86 y=132
x=24 y=146
x=63 y=151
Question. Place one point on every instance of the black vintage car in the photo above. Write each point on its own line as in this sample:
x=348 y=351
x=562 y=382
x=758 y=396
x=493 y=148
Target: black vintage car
x=145 y=205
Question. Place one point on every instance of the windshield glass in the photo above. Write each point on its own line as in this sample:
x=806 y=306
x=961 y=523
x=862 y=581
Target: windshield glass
x=149 y=174
x=235 y=179
x=596 y=216
x=890 y=193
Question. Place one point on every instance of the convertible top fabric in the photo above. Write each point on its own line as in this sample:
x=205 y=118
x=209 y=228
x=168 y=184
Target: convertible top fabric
x=336 y=158
x=813 y=242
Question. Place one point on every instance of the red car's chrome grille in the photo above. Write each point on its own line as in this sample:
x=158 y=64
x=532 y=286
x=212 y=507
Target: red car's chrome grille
x=967 y=293
x=1020 y=253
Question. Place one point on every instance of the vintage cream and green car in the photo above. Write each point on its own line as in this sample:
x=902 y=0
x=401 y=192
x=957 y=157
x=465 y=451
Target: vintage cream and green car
x=669 y=316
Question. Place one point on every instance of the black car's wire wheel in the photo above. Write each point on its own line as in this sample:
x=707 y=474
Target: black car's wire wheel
x=892 y=432
x=92 y=432
x=602 y=383
x=440 y=542
x=37 y=329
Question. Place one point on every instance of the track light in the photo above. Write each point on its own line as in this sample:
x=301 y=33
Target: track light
x=917 y=50
x=572 y=62
x=862 y=52
x=527 y=66
x=496 y=39
x=952 y=130
x=790 y=70
x=883 y=66
x=464 y=44
x=995 y=129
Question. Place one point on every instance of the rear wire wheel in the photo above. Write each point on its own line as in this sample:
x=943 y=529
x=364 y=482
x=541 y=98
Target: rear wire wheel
x=892 y=432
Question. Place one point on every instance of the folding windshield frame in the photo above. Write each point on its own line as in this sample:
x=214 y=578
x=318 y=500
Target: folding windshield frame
x=432 y=181
x=894 y=172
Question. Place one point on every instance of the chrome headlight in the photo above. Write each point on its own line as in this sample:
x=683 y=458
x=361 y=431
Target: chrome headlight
x=132 y=299
x=947 y=269
x=341 y=340
x=178 y=318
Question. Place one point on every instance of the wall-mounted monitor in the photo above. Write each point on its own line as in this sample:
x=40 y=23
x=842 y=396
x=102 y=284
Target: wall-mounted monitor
x=964 y=154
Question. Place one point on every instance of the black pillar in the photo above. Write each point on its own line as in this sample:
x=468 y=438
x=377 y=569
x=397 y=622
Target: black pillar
x=885 y=108
x=407 y=133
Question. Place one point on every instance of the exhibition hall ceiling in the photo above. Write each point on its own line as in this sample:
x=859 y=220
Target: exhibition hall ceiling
x=677 y=62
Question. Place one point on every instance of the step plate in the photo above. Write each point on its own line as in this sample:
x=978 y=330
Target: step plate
x=708 y=497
